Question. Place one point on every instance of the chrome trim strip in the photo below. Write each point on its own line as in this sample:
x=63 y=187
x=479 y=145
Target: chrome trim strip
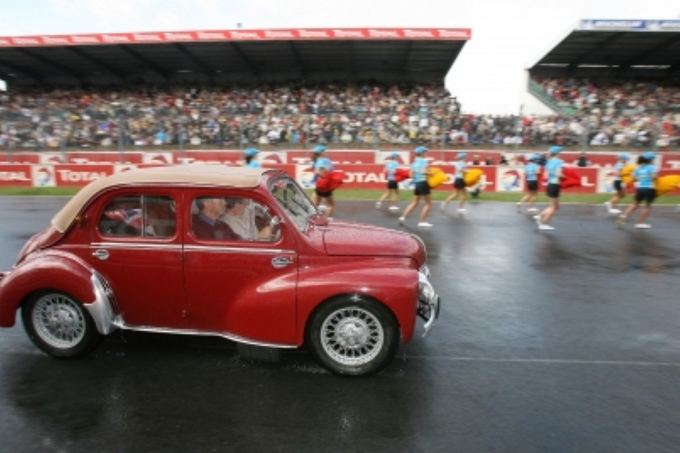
x=101 y=309
x=224 y=249
x=434 y=314
x=430 y=298
x=136 y=246
x=118 y=322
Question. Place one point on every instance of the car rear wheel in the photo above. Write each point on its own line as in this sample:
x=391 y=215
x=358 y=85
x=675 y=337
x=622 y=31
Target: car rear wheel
x=59 y=325
x=353 y=337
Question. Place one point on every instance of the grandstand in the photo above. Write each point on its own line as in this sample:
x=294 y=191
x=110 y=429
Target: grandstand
x=228 y=88
x=614 y=82
x=606 y=85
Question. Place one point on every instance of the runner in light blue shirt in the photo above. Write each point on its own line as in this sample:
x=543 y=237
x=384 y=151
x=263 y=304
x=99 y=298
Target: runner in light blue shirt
x=322 y=166
x=531 y=170
x=391 y=165
x=458 y=184
x=619 y=186
x=645 y=175
x=554 y=170
x=250 y=155
x=419 y=173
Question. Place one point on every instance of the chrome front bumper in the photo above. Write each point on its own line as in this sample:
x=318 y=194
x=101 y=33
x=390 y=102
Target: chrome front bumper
x=428 y=300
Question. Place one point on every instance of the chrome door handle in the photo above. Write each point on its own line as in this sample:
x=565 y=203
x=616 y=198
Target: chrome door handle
x=101 y=254
x=281 y=261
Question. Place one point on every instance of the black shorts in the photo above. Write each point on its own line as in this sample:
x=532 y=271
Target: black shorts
x=532 y=186
x=422 y=188
x=323 y=194
x=392 y=185
x=459 y=183
x=553 y=191
x=618 y=186
x=646 y=195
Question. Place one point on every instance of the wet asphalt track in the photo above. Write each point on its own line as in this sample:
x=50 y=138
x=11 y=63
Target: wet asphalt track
x=561 y=341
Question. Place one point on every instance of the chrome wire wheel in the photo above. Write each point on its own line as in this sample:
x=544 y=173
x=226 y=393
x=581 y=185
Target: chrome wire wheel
x=59 y=321
x=352 y=336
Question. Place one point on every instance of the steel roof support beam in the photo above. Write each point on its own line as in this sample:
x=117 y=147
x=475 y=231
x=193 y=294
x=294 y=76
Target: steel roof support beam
x=6 y=75
x=97 y=62
x=674 y=70
x=454 y=54
x=195 y=60
x=144 y=61
x=22 y=71
x=298 y=59
x=649 y=52
x=54 y=65
x=405 y=57
x=352 y=59
x=246 y=60
x=592 y=51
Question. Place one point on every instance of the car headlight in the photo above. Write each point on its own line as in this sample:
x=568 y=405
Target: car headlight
x=425 y=289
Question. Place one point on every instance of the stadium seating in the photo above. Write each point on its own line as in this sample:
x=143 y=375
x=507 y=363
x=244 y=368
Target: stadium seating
x=623 y=114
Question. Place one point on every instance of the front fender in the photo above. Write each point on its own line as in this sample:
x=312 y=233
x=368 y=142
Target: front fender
x=392 y=282
x=57 y=271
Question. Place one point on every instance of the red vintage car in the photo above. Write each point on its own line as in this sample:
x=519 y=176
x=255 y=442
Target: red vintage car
x=207 y=250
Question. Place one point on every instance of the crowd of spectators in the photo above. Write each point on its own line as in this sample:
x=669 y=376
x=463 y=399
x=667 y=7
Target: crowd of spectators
x=228 y=116
x=620 y=112
x=329 y=114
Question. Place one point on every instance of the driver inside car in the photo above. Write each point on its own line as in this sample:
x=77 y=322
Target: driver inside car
x=248 y=219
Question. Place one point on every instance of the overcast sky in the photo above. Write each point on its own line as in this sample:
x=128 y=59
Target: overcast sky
x=487 y=77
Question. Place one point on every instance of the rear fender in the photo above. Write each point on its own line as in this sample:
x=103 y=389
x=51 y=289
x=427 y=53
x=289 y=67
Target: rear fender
x=57 y=271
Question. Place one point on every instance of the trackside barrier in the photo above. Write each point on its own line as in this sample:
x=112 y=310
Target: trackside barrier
x=357 y=176
x=665 y=159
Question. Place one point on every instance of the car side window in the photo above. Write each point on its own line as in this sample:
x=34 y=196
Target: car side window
x=139 y=216
x=233 y=218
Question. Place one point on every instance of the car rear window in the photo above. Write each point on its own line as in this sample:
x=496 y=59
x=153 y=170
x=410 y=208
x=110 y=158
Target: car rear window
x=139 y=216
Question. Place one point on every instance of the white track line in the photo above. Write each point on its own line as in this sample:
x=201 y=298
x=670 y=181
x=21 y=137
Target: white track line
x=545 y=361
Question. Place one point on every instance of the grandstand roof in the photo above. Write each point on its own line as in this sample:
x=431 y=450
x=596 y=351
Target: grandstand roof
x=625 y=48
x=233 y=56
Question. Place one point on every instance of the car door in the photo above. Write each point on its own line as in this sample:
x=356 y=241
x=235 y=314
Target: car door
x=136 y=245
x=236 y=285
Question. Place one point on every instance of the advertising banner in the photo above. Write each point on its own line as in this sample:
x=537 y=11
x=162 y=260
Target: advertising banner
x=511 y=179
x=228 y=157
x=68 y=175
x=19 y=158
x=15 y=175
x=274 y=34
x=336 y=156
x=108 y=157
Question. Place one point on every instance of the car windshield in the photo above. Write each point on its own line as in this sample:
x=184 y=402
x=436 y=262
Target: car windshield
x=294 y=200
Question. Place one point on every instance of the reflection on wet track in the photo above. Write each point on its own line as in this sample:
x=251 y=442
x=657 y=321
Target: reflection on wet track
x=560 y=341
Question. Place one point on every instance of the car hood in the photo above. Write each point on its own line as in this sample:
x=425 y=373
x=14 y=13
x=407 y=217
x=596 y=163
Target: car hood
x=344 y=239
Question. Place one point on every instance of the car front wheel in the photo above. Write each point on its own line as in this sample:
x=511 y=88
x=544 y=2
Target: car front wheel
x=59 y=325
x=353 y=337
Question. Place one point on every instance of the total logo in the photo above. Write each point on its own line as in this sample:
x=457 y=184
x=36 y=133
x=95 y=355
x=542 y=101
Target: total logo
x=43 y=176
x=71 y=176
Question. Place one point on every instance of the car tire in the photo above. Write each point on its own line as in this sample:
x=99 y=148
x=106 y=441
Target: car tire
x=353 y=336
x=59 y=324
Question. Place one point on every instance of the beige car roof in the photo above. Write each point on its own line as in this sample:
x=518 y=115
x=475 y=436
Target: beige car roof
x=194 y=175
